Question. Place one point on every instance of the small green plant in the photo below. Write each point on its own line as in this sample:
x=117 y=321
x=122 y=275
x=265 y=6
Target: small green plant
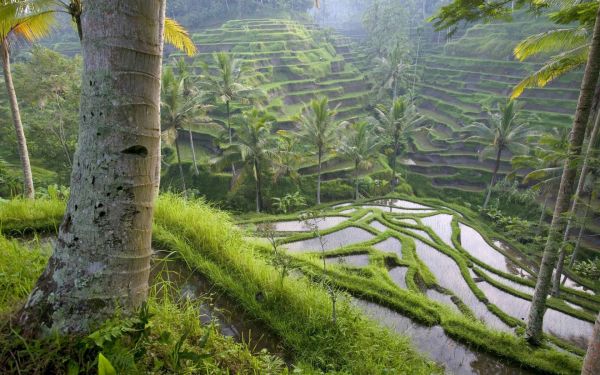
x=289 y=202
x=589 y=268
x=280 y=260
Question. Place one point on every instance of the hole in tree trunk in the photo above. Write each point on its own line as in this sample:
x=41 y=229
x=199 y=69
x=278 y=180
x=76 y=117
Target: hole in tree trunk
x=136 y=150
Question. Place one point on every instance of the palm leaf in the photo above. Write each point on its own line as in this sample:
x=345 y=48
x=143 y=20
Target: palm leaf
x=35 y=26
x=177 y=35
x=551 y=41
x=559 y=65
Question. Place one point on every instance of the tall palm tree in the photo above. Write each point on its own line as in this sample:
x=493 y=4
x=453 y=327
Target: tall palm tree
x=228 y=85
x=586 y=93
x=360 y=145
x=180 y=107
x=318 y=128
x=393 y=69
x=253 y=143
x=588 y=172
x=101 y=261
x=546 y=161
x=397 y=124
x=30 y=21
x=287 y=156
x=503 y=131
x=591 y=362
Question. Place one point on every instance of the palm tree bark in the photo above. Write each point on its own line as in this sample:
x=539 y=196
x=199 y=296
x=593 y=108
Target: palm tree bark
x=590 y=78
x=356 y=180
x=158 y=150
x=193 y=151
x=575 y=206
x=543 y=214
x=591 y=362
x=28 y=189
x=258 y=186
x=230 y=131
x=494 y=176
x=179 y=163
x=581 y=229
x=101 y=260
x=320 y=156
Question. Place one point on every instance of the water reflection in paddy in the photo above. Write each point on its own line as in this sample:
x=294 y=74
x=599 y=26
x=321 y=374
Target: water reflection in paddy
x=396 y=210
x=302 y=226
x=476 y=245
x=398 y=275
x=556 y=323
x=359 y=260
x=457 y=358
x=344 y=237
x=448 y=275
x=441 y=297
x=377 y=225
x=399 y=203
x=419 y=232
x=514 y=285
x=390 y=245
x=441 y=225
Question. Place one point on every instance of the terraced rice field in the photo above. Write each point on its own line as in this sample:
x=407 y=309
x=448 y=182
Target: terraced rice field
x=428 y=250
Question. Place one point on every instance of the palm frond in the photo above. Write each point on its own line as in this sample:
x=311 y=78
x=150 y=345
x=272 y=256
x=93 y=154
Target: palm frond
x=35 y=26
x=178 y=36
x=551 y=41
x=556 y=67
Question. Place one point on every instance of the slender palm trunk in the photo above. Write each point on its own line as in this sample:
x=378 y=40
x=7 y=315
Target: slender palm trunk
x=230 y=131
x=320 y=156
x=28 y=190
x=412 y=94
x=494 y=177
x=590 y=78
x=356 y=180
x=258 y=186
x=575 y=206
x=181 y=175
x=101 y=260
x=394 y=157
x=581 y=230
x=591 y=362
x=395 y=95
x=543 y=214
x=196 y=171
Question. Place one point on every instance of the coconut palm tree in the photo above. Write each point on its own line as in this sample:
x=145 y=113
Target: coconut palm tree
x=101 y=261
x=227 y=85
x=586 y=92
x=397 y=124
x=503 y=131
x=253 y=143
x=319 y=129
x=287 y=156
x=546 y=161
x=359 y=145
x=392 y=70
x=181 y=107
x=29 y=21
x=591 y=362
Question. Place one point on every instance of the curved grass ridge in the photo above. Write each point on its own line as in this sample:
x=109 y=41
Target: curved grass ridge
x=298 y=312
x=460 y=327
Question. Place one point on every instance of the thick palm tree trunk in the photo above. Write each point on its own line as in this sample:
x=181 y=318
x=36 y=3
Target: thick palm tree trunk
x=193 y=151
x=590 y=78
x=575 y=206
x=494 y=177
x=179 y=163
x=28 y=190
x=320 y=157
x=101 y=260
x=591 y=362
